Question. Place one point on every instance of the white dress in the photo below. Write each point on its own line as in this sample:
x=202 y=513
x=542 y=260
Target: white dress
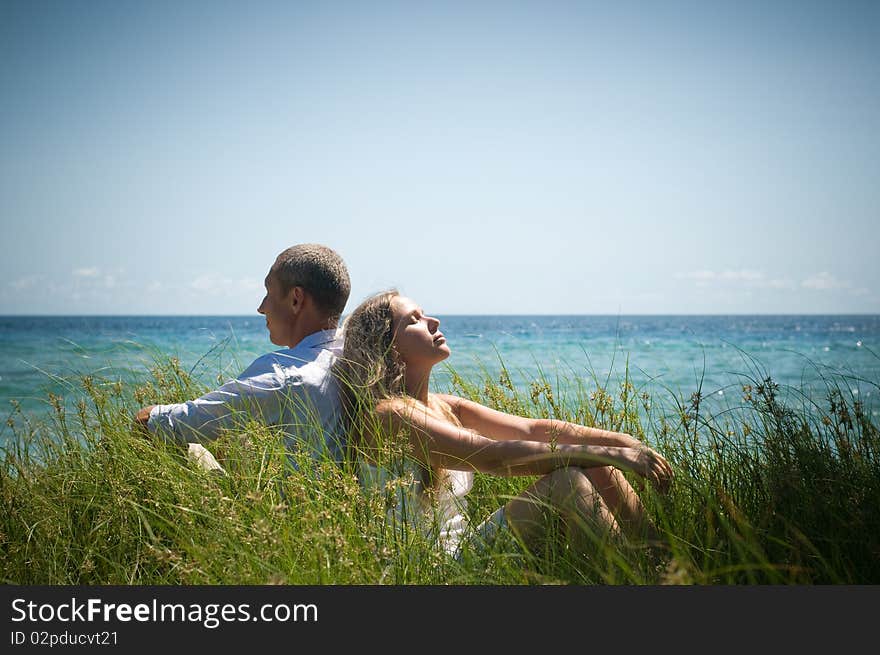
x=440 y=512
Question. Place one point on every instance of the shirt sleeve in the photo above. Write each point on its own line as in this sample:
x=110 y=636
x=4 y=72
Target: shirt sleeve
x=200 y=420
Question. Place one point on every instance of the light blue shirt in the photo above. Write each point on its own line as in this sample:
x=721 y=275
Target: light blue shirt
x=291 y=388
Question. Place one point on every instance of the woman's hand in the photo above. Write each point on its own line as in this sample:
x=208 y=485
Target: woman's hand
x=648 y=463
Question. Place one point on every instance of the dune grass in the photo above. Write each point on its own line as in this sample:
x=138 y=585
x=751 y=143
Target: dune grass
x=765 y=492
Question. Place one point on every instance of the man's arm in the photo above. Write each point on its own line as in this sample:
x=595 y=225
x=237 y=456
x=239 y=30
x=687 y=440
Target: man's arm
x=203 y=419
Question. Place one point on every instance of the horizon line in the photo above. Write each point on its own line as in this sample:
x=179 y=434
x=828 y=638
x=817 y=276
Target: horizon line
x=442 y=314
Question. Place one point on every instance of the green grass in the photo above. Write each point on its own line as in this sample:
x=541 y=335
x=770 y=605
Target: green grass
x=764 y=493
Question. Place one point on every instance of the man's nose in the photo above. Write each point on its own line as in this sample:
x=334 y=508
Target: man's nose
x=260 y=308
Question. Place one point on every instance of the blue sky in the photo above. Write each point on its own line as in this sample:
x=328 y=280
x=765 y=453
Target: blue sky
x=514 y=158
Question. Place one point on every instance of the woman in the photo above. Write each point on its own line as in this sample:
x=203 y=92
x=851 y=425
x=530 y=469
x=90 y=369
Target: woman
x=391 y=347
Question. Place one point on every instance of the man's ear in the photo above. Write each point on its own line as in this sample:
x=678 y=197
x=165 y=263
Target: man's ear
x=297 y=297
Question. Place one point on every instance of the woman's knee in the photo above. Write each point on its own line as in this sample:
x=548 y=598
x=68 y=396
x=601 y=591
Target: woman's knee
x=577 y=498
x=607 y=479
x=567 y=484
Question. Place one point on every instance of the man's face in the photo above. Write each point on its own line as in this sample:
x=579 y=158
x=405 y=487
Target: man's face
x=277 y=307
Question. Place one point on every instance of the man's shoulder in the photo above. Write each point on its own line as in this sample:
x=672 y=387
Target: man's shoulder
x=315 y=353
x=329 y=339
x=272 y=364
x=287 y=364
x=264 y=361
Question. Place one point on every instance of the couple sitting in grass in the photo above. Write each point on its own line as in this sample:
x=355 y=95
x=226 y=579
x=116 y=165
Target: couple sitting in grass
x=369 y=391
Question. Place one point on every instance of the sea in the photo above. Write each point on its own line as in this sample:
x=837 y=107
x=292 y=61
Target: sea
x=668 y=358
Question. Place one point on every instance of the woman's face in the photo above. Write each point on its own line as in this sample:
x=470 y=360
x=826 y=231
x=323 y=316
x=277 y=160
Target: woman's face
x=417 y=337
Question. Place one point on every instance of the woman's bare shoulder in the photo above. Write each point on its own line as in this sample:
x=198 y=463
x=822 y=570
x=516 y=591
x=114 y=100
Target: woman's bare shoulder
x=454 y=402
x=395 y=406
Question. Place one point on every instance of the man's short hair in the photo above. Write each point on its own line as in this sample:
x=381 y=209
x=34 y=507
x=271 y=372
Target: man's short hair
x=320 y=271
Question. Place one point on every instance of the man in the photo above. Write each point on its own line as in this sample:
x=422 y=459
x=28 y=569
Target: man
x=306 y=290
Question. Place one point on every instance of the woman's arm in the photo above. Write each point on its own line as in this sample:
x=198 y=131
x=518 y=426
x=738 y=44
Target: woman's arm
x=440 y=443
x=500 y=425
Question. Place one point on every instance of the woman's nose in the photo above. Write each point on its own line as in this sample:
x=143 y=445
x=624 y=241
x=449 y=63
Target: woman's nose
x=433 y=323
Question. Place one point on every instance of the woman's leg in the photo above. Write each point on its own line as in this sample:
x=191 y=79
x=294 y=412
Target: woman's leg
x=622 y=500
x=566 y=491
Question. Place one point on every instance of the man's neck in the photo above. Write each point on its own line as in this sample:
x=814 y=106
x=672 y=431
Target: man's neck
x=300 y=332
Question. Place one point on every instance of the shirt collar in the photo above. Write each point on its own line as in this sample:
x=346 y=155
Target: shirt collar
x=321 y=338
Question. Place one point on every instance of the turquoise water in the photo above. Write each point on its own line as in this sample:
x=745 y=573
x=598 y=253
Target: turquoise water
x=665 y=355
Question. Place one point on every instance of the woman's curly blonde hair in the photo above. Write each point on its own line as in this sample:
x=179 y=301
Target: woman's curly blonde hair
x=370 y=369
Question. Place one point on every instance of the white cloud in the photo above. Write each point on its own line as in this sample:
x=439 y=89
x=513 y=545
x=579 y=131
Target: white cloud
x=824 y=281
x=214 y=284
x=93 y=280
x=747 y=278
x=742 y=275
x=250 y=285
x=696 y=275
x=26 y=282
x=209 y=283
